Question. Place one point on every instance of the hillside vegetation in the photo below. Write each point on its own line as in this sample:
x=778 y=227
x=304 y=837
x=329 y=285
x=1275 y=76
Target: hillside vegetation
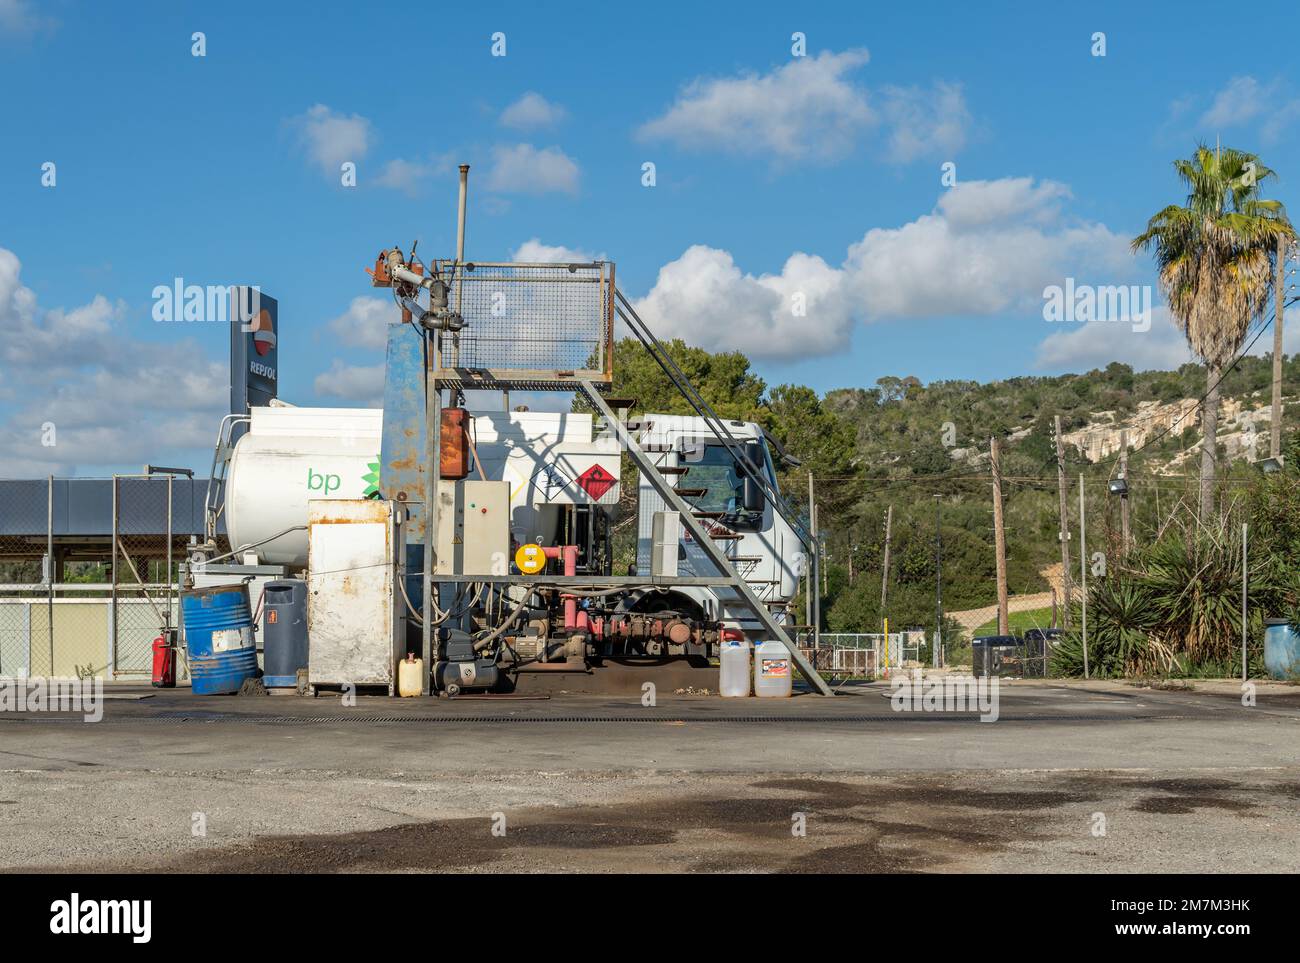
x=923 y=449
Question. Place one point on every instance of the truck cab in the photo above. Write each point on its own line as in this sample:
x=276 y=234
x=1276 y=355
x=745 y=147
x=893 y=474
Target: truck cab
x=762 y=546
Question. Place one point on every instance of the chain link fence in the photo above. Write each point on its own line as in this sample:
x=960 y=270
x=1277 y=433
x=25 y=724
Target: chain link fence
x=533 y=318
x=85 y=587
x=864 y=654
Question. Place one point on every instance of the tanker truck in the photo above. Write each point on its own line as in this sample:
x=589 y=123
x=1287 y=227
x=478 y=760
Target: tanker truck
x=560 y=476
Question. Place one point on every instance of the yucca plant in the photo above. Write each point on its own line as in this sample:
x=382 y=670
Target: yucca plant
x=1195 y=584
x=1175 y=608
x=1122 y=633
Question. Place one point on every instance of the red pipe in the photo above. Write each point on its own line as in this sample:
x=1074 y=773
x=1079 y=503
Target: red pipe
x=569 y=553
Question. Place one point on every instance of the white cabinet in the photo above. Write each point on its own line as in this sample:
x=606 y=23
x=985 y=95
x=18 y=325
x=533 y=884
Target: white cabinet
x=356 y=617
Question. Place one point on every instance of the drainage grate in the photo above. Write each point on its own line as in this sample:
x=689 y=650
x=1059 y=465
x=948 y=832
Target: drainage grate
x=181 y=718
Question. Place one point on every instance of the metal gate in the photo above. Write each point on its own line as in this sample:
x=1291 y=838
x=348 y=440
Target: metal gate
x=867 y=654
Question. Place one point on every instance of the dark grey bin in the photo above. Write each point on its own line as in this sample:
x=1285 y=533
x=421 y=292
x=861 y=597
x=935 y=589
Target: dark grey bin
x=284 y=649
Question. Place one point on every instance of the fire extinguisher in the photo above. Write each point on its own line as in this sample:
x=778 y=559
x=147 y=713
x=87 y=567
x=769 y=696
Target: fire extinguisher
x=164 y=660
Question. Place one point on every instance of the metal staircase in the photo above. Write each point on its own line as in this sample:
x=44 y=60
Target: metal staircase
x=706 y=532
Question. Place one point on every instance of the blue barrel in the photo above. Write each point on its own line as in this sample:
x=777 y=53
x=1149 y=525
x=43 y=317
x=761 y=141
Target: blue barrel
x=219 y=638
x=1281 y=649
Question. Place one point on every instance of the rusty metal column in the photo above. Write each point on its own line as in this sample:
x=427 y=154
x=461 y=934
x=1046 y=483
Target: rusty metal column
x=433 y=445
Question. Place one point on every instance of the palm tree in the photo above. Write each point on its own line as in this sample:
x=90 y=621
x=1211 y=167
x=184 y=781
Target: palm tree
x=1215 y=258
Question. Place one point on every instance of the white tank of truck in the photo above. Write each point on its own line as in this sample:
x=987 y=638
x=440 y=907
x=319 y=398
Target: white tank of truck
x=290 y=455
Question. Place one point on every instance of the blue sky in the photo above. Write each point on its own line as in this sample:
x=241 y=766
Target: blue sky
x=776 y=175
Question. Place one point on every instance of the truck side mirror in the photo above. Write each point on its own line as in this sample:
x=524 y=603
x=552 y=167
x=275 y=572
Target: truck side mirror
x=751 y=496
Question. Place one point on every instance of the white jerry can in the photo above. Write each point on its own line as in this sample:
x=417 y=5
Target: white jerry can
x=733 y=674
x=773 y=677
x=410 y=676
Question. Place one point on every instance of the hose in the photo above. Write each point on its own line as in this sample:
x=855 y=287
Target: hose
x=217 y=558
x=496 y=633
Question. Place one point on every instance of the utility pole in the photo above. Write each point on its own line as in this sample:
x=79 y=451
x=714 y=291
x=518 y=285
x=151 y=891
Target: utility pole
x=814 y=599
x=999 y=541
x=1064 y=534
x=936 y=656
x=1279 y=296
x=1083 y=574
x=1245 y=580
x=1123 y=498
x=884 y=578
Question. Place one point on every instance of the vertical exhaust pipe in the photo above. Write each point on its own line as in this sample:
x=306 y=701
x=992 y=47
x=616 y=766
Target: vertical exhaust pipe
x=460 y=218
x=460 y=253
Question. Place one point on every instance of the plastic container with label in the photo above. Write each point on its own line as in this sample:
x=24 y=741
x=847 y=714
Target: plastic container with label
x=773 y=674
x=733 y=676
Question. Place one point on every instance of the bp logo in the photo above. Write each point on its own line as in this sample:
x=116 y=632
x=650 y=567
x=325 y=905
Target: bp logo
x=371 y=478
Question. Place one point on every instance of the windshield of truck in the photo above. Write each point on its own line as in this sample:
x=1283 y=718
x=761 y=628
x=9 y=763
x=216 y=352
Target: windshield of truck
x=713 y=468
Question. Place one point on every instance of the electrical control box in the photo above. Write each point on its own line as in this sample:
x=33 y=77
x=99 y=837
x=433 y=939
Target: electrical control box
x=473 y=528
x=667 y=528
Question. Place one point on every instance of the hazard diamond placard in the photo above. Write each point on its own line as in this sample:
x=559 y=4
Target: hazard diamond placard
x=596 y=481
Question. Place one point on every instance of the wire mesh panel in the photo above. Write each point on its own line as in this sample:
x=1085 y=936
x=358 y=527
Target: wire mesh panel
x=533 y=326
x=143 y=571
x=25 y=646
x=79 y=621
x=24 y=529
x=15 y=631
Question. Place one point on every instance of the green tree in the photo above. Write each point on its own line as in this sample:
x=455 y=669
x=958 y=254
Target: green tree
x=823 y=442
x=724 y=380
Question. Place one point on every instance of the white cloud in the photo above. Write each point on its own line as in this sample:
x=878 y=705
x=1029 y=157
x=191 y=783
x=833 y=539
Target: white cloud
x=17 y=18
x=533 y=251
x=925 y=123
x=409 y=176
x=1238 y=102
x=973 y=204
x=77 y=370
x=810 y=109
x=523 y=169
x=1082 y=347
x=331 y=138
x=988 y=247
x=705 y=299
x=363 y=383
x=1244 y=102
x=365 y=323
x=532 y=110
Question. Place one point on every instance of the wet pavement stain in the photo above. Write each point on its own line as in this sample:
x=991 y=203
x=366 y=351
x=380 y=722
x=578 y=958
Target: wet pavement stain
x=1187 y=804
x=906 y=823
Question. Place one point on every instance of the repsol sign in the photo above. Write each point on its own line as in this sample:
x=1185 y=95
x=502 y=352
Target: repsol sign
x=254 y=348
